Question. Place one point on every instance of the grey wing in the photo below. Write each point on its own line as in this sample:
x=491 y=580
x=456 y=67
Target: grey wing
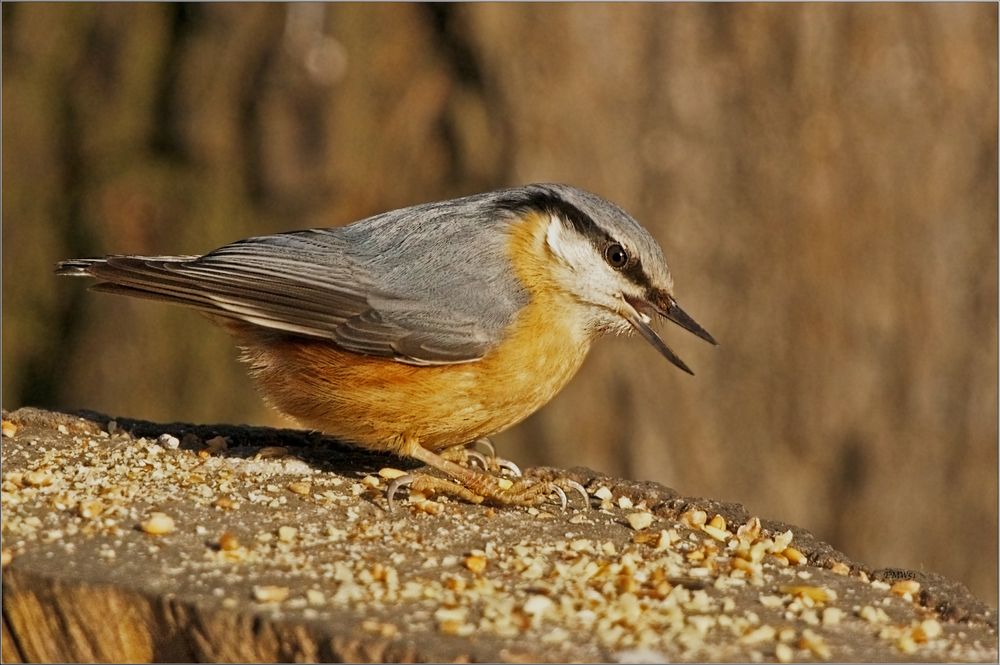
x=303 y=284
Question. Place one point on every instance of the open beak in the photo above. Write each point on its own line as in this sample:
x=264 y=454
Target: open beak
x=638 y=312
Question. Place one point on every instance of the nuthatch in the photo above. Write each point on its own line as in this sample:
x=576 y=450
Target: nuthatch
x=422 y=329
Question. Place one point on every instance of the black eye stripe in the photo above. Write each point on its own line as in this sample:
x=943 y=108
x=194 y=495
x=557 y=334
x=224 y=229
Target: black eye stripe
x=546 y=201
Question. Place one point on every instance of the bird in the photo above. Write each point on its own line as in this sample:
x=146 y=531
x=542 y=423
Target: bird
x=421 y=330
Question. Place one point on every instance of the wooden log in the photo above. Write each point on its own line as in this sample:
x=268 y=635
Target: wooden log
x=130 y=541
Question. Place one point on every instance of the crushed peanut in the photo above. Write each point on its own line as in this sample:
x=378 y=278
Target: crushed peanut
x=158 y=524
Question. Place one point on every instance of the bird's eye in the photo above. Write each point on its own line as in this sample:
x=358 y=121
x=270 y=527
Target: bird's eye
x=615 y=255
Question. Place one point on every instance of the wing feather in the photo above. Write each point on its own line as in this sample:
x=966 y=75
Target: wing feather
x=428 y=284
x=297 y=296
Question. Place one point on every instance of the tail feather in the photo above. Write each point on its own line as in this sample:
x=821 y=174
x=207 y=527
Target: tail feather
x=86 y=267
x=162 y=278
x=140 y=276
x=77 y=267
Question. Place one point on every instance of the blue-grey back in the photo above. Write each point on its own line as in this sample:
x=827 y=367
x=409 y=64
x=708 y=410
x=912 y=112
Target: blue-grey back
x=432 y=283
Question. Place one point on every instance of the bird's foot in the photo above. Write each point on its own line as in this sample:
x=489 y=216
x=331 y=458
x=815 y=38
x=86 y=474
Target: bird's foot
x=478 y=488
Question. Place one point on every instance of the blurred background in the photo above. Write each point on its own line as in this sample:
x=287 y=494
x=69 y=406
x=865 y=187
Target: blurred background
x=822 y=177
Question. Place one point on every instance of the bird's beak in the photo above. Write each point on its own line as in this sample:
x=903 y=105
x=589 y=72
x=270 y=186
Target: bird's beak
x=638 y=313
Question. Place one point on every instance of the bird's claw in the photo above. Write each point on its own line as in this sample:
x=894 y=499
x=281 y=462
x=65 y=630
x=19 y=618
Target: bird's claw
x=478 y=458
x=562 y=495
x=486 y=462
x=486 y=443
x=579 y=489
x=394 y=486
x=514 y=469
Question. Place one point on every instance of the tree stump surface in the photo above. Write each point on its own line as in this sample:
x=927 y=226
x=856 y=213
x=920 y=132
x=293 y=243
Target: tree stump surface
x=276 y=545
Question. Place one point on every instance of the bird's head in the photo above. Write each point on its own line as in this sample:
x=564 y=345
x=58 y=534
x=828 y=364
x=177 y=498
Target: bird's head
x=609 y=263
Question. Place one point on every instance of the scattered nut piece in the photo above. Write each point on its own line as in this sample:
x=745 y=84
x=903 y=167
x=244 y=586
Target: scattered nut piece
x=904 y=587
x=665 y=539
x=504 y=483
x=781 y=541
x=9 y=428
x=158 y=524
x=6 y=556
x=287 y=534
x=928 y=629
x=603 y=493
x=228 y=541
x=814 y=643
x=873 y=614
x=168 y=441
x=452 y=627
x=750 y=530
x=223 y=503
x=771 y=601
x=88 y=510
x=640 y=521
x=382 y=628
x=644 y=538
x=456 y=614
x=816 y=593
x=783 y=653
x=746 y=566
x=714 y=532
x=391 y=474
x=270 y=594
x=537 y=605
x=300 y=487
x=38 y=478
x=718 y=522
x=841 y=568
x=906 y=643
x=475 y=563
x=832 y=616
x=425 y=505
x=795 y=557
x=695 y=518
x=759 y=634
x=315 y=597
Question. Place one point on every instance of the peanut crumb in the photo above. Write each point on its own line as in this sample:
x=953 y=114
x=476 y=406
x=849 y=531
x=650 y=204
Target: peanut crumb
x=640 y=521
x=158 y=524
x=270 y=594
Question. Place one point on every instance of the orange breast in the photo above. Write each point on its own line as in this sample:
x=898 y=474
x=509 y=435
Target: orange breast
x=386 y=405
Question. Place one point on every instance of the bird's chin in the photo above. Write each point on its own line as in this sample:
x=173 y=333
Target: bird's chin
x=619 y=327
x=608 y=322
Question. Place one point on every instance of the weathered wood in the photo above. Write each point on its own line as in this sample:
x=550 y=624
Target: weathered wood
x=279 y=548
